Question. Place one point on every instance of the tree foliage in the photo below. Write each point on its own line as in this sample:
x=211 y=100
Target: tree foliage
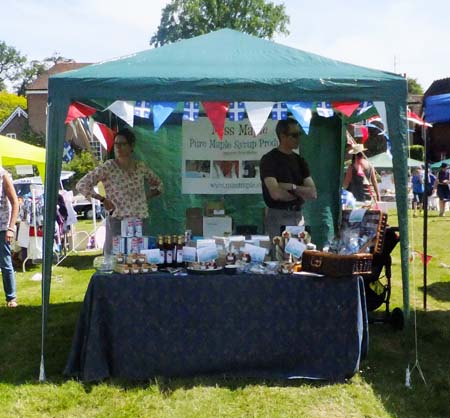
x=30 y=72
x=81 y=164
x=183 y=19
x=8 y=103
x=11 y=63
x=414 y=87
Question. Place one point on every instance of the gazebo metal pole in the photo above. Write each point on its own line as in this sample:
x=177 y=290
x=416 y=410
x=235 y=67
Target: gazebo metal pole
x=425 y=220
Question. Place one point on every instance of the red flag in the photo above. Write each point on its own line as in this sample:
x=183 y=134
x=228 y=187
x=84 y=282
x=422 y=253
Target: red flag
x=105 y=135
x=412 y=117
x=79 y=110
x=217 y=112
x=108 y=134
x=422 y=257
x=347 y=108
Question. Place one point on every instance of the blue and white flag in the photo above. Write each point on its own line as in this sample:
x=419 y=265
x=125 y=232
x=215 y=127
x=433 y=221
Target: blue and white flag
x=191 y=110
x=161 y=111
x=364 y=106
x=142 y=109
x=302 y=113
x=324 y=109
x=68 y=153
x=236 y=111
x=279 y=111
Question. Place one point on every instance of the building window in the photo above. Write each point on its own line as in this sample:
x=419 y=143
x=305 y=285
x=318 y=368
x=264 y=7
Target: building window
x=11 y=135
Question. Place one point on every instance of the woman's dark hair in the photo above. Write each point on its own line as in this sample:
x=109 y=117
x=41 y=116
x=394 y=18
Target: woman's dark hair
x=128 y=135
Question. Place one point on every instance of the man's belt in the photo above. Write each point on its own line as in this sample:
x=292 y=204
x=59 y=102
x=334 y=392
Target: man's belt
x=291 y=208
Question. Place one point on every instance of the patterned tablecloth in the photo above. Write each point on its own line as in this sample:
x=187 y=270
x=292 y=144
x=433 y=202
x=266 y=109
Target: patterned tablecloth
x=270 y=326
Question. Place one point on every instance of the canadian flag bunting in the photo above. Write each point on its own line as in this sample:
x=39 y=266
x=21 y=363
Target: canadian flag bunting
x=217 y=112
x=79 y=110
x=257 y=113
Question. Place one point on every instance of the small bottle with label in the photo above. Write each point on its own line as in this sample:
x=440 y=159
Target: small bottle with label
x=230 y=258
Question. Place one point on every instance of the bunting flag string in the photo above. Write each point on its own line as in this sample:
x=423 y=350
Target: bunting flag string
x=279 y=111
x=142 y=109
x=78 y=110
x=415 y=253
x=161 y=111
x=217 y=112
x=324 y=109
x=257 y=113
x=236 y=111
x=302 y=113
x=123 y=110
x=191 y=110
x=412 y=117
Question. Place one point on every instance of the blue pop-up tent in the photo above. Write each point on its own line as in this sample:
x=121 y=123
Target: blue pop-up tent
x=230 y=66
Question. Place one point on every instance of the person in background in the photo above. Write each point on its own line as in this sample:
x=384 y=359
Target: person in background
x=128 y=185
x=286 y=180
x=442 y=187
x=360 y=178
x=418 y=189
x=9 y=209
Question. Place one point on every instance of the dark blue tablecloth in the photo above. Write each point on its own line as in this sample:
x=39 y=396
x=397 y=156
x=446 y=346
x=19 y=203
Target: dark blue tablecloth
x=141 y=326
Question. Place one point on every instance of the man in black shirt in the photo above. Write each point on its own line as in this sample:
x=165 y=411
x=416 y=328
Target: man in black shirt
x=286 y=181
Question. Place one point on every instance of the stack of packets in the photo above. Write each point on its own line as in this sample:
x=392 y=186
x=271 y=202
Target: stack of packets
x=131 y=239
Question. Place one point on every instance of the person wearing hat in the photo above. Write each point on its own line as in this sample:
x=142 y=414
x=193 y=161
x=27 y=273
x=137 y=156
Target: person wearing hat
x=442 y=189
x=360 y=177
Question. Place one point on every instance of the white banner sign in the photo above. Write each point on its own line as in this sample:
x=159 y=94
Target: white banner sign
x=230 y=166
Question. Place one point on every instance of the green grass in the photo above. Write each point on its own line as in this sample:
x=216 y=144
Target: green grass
x=377 y=391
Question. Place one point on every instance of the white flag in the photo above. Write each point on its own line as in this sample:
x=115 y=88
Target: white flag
x=99 y=135
x=124 y=110
x=381 y=109
x=257 y=113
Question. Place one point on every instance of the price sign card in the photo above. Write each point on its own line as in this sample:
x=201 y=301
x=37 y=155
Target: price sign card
x=207 y=253
x=295 y=247
x=257 y=254
x=189 y=254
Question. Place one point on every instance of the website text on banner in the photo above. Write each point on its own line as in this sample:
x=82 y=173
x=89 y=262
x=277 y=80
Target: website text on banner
x=228 y=166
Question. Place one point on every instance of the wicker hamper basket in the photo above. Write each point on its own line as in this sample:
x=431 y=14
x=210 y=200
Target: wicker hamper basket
x=336 y=265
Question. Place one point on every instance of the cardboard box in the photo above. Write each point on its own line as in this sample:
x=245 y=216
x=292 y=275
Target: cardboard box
x=217 y=225
x=194 y=221
x=215 y=208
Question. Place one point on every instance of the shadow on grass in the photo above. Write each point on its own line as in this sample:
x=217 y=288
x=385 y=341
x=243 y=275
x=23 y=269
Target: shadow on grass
x=384 y=369
x=79 y=263
x=439 y=291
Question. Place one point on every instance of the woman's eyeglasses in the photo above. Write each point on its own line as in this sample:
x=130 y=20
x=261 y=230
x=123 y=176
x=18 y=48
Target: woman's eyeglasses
x=120 y=144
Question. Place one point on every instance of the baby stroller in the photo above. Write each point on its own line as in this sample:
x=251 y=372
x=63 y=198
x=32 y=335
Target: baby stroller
x=378 y=285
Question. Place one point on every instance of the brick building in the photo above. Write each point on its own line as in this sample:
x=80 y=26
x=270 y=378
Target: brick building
x=16 y=124
x=37 y=95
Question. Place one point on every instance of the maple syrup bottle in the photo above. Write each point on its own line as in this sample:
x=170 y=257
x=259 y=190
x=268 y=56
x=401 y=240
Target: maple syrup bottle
x=168 y=246
x=162 y=251
x=179 y=251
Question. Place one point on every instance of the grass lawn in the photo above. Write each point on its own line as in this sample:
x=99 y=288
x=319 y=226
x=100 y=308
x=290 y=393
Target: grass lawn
x=378 y=390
